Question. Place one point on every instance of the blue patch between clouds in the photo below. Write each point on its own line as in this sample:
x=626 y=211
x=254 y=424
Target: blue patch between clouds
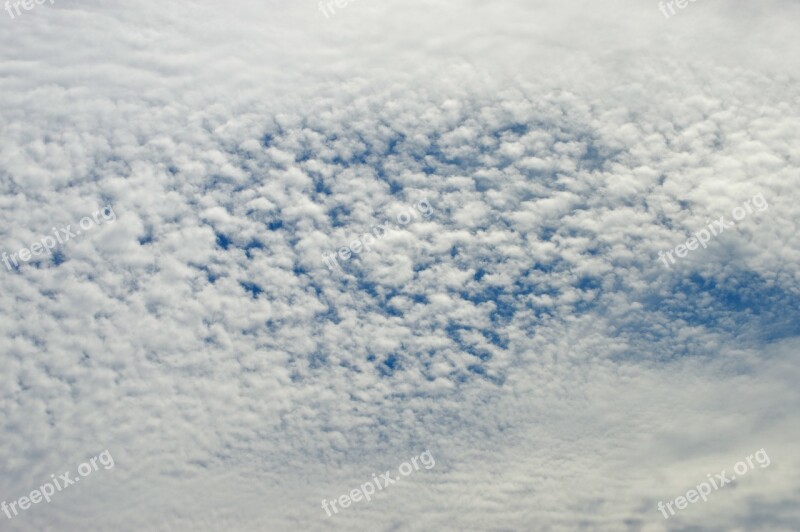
x=223 y=241
x=741 y=304
x=253 y=288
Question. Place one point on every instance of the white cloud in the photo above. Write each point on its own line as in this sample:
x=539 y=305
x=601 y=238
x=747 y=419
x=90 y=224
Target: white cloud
x=525 y=332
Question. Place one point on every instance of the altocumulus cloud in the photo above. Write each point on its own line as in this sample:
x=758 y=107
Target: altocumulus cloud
x=525 y=333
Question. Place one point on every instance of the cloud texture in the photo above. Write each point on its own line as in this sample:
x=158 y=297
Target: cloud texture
x=524 y=332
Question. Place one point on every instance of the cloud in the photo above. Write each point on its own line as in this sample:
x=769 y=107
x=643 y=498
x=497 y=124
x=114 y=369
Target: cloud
x=525 y=332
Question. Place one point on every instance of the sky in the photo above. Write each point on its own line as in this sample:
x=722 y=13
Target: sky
x=275 y=248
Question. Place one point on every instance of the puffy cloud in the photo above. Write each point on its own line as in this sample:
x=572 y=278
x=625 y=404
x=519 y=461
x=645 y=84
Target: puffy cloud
x=521 y=327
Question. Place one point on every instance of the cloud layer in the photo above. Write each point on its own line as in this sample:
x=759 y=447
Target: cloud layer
x=525 y=332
